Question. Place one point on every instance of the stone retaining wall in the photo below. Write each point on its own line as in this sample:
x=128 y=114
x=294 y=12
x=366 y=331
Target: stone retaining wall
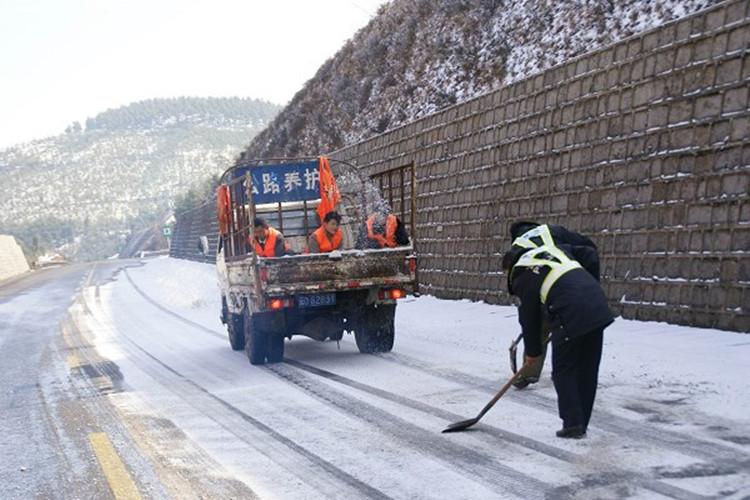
x=644 y=146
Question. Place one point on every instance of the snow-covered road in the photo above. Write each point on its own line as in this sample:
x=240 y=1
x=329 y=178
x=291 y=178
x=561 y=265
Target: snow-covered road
x=672 y=418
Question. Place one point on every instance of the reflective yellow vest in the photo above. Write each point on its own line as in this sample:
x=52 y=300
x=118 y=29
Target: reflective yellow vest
x=550 y=256
x=534 y=238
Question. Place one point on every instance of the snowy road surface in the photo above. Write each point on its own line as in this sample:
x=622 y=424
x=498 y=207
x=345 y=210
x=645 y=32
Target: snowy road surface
x=672 y=418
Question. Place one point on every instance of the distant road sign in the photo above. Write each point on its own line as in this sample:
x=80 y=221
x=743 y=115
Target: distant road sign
x=166 y=231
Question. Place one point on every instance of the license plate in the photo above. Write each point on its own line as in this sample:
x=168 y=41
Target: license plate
x=317 y=300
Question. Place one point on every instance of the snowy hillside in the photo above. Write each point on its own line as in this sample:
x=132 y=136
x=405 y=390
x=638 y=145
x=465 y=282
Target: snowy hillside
x=122 y=171
x=417 y=57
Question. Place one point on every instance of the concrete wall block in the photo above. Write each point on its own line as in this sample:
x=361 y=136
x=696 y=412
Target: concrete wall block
x=720 y=215
x=742 y=211
x=706 y=268
x=721 y=40
x=684 y=29
x=729 y=270
x=715 y=19
x=658 y=116
x=681 y=139
x=699 y=215
x=695 y=244
x=634 y=47
x=667 y=35
x=743 y=273
x=708 y=106
x=737 y=12
x=702 y=50
x=700 y=296
x=684 y=56
x=658 y=242
x=699 y=24
x=739 y=127
x=665 y=61
x=740 y=239
x=732 y=183
x=728 y=71
x=739 y=39
x=639 y=244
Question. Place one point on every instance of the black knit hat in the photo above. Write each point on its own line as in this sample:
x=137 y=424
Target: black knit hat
x=520 y=227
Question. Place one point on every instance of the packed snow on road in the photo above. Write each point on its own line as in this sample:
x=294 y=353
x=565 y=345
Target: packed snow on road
x=671 y=419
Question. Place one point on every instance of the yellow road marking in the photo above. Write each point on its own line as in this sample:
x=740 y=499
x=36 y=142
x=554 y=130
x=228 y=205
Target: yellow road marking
x=119 y=479
x=73 y=361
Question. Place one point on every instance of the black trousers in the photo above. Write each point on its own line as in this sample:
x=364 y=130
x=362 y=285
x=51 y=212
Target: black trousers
x=575 y=372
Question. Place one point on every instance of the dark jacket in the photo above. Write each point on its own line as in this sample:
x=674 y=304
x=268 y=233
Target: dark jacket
x=575 y=306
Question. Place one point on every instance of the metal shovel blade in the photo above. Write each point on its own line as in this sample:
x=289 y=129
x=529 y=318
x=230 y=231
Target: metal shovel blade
x=465 y=424
x=460 y=426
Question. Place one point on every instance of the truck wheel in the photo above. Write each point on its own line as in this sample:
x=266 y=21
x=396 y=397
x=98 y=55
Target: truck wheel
x=376 y=331
x=275 y=348
x=256 y=341
x=235 y=328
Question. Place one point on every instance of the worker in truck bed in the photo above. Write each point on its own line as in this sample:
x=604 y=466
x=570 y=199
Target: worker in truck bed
x=267 y=241
x=328 y=236
x=383 y=231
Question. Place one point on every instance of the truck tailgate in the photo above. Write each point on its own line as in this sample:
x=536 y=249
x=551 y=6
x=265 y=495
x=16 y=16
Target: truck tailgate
x=348 y=269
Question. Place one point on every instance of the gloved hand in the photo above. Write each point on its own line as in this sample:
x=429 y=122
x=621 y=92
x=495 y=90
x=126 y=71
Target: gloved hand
x=529 y=360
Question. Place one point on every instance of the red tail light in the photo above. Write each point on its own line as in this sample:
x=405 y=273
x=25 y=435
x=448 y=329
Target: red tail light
x=263 y=274
x=276 y=304
x=396 y=293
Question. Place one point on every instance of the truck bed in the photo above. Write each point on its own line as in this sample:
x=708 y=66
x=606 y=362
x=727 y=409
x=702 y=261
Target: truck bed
x=349 y=269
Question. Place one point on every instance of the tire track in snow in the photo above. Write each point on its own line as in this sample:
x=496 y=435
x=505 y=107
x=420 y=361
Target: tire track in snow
x=346 y=485
x=524 y=486
x=636 y=431
x=480 y=466
x=500 y=436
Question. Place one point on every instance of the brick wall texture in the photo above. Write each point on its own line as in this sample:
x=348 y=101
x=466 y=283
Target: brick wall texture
x=643 y=146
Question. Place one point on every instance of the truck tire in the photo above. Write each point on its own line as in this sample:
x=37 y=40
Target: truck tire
x=376 y=331
x=256 y=341
x=275 y=348
x=235 y=328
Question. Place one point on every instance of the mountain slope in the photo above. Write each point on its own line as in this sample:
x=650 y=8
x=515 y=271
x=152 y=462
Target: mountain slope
x=95 y=186
x=418 y=56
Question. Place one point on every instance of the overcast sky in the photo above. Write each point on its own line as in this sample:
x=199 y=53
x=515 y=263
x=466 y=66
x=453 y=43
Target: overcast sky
x=65 y=61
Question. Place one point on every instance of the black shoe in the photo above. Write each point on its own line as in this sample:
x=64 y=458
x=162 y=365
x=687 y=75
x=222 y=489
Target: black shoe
x=525 y=381
x=574 y=432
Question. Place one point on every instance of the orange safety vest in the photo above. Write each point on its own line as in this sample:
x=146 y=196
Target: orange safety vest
x=324 y=243
x=390 y=231
x=270 y=248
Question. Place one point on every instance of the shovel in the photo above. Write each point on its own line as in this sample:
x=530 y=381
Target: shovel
x=465 y=424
